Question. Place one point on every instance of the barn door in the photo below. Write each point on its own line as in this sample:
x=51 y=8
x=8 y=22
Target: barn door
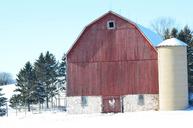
x=111 y=104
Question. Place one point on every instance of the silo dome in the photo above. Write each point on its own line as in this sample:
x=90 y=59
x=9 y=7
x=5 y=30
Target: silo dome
x=173 y=76
x=171 y=42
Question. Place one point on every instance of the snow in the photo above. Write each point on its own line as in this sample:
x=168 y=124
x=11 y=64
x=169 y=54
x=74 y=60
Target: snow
x=8 y=90
x=57 y=119
x=150 y=119
x=171 y=42
x=151 y=36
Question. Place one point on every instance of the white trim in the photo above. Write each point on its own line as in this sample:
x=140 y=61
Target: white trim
x=108 y=24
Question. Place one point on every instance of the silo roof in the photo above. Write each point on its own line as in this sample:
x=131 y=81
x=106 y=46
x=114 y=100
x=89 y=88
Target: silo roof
x=171 y=42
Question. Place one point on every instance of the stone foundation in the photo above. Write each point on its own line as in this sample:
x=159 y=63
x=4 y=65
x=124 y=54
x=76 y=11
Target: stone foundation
x=74 y=105
x=131 y=102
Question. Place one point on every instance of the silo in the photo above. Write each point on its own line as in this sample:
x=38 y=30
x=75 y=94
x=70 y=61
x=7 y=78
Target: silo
x=173 y=76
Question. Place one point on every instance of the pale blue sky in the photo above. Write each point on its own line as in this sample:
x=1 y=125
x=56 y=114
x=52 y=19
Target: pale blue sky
x=29 y=27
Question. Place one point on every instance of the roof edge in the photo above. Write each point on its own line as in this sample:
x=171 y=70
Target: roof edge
x=116 y=14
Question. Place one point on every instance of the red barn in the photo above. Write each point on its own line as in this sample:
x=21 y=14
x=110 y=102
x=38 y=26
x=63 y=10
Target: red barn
x=112 y=67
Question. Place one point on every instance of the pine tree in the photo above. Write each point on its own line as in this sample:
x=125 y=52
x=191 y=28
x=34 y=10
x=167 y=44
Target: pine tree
x=51 y=76
x=40 y=72
x=16 y=100
x=185 y=35
x=39 y=93
x=62 y=73
x=25 y=83
x=174 y=33
x=46 y=71
x=40 y=69
x=3 y=101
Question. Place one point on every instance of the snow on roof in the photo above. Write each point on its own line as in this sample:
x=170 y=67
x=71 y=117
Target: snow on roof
x=171 y=42
x=154 y=38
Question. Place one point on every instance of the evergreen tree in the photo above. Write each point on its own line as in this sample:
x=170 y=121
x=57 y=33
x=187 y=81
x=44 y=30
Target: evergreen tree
x=40 y=69
x=15 y=101
x=3 y=101
x=62 y=68
x=25 y=83
x=46 y=68
x=40 y=72
x=39 y=93
x=51 y=76
x=174 y=33
x=62 y=73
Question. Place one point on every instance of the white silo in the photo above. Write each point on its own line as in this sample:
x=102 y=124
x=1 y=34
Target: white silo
x=173 y=76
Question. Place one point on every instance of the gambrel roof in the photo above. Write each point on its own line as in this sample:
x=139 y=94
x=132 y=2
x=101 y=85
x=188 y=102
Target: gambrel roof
x=153 y=38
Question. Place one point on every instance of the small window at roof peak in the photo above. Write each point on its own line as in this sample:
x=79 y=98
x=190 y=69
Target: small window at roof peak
x=111 y=24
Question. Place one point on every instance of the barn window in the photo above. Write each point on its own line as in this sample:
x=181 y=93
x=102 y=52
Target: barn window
x=84 y=101
x=140 y=100
x=111 y=24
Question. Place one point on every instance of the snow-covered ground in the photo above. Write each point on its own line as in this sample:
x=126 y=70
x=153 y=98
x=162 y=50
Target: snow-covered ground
x=50 y=119
x=8 y=90
x=148 y=119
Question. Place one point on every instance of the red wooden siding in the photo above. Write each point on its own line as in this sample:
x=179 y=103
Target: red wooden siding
x=111 y=45
x=117 y=78
x=112 y=62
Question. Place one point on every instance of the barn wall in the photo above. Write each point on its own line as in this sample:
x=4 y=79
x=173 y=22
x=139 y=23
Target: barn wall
x=151 y=102
x=74 y=105
x=112 y=62
x=113 y=78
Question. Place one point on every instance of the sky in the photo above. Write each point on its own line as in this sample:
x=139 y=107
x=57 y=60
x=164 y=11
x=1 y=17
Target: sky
x=29 y=27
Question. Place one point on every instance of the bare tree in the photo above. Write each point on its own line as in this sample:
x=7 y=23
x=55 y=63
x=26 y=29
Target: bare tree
x=163 y=24
x=6 y=78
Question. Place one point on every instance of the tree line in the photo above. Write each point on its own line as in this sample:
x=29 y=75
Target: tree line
x=37 y=83
x=6 y=78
